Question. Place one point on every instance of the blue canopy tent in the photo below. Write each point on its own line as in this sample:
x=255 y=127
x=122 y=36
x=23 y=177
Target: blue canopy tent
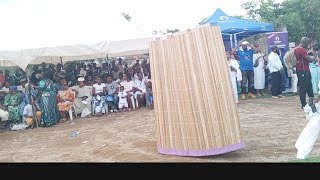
x=234 y=29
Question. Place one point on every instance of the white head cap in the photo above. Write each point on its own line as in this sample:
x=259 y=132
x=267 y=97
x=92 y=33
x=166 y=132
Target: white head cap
x=245 y=43
x=80 y=79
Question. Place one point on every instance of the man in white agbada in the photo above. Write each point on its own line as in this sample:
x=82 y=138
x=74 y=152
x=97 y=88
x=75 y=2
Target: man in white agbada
x=140 y=90
x=235 y=74
x=259 y=65
x=83 y=98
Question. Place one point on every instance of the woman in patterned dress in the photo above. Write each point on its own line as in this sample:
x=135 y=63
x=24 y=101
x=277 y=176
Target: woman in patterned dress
x=12 y=103
x=48 y=103
x=65 y=100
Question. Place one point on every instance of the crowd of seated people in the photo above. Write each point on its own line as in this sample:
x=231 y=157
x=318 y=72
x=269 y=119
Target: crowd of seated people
x=56 y=92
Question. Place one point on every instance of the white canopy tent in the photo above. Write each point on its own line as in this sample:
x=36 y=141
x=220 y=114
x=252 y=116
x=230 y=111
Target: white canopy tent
x=44 y=35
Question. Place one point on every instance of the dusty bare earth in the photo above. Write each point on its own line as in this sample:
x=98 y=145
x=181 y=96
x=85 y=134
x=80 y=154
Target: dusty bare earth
x=270 y=128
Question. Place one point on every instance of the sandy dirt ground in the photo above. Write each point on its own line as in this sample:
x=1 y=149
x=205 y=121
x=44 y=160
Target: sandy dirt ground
x=270 y=129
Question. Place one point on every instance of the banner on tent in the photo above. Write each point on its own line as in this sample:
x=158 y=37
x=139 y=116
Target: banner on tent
x=279 y=39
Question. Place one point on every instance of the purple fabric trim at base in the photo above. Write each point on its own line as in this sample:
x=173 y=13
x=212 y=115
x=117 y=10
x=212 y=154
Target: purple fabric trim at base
x=208 y=152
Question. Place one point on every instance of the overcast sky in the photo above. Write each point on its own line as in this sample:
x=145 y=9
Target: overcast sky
x=26 y=17
x=147 y=14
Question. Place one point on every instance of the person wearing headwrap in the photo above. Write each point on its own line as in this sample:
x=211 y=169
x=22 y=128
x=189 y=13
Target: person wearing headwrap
x=11 y=102
x=82 y=102
x=48 y=103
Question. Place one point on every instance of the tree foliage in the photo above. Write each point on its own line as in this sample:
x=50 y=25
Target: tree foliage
x=299 y=17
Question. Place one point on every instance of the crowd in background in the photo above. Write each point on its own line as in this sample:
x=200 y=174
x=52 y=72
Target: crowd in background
x=56 y=92
x=83 y=88
x=252 y=68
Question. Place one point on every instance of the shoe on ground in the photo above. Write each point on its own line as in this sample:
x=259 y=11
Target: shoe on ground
x=251 y=96
x=281 y=96
x=243 y=97
x=275 y=97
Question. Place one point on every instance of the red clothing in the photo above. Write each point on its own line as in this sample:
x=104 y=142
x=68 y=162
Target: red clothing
x=2 y=79
x=303 y=65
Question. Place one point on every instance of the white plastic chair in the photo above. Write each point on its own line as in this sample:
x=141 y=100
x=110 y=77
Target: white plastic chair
x=133 y=102
x=105 y=110
x=72 y=109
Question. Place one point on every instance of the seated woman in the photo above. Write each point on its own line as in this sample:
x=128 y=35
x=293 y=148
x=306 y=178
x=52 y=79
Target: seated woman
x=120 y=77
x=12 y=102
x=128 y=85
x=99 y=91
x=65 y=99
x=5 y=88
x=82 y=101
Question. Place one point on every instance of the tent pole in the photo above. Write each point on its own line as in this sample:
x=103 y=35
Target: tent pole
x=235 y=40
x=34 y=110
x=231 y=43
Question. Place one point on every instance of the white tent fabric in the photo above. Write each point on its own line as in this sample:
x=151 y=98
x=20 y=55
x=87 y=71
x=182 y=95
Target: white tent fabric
x=49 y=31
x=74 y=52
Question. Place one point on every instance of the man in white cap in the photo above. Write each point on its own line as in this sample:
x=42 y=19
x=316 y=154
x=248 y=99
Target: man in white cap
x=245 y=54
x=83 y=98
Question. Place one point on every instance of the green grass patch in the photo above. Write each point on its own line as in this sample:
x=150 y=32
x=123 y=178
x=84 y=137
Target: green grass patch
x=308 y=160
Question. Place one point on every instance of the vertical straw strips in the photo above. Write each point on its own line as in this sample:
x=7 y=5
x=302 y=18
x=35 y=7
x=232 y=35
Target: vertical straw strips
x=196 y=113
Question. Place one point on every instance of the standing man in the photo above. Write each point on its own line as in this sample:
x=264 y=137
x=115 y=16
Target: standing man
x=293 y=78
x=303 y=71
x=245 y=54
x=276 y=70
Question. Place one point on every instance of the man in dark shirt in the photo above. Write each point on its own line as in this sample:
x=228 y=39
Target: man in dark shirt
x=303 y=71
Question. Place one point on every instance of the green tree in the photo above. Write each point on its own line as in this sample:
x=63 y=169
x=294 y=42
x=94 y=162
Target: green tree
x=301 y=18
x=252 y=9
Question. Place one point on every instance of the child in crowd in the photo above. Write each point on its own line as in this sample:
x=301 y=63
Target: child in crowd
x=28 y=113
x=149 y=95
x=123 y=103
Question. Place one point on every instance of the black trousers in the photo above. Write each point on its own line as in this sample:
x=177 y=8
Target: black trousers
x=305 y=86
x=276 y=83
x=247 y=77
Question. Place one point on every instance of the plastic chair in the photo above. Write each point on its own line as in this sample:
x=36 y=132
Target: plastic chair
x=105 y=109
x=72 y=109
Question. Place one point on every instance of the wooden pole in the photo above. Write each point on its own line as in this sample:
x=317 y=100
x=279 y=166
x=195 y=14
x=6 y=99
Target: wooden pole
x=29 y=90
